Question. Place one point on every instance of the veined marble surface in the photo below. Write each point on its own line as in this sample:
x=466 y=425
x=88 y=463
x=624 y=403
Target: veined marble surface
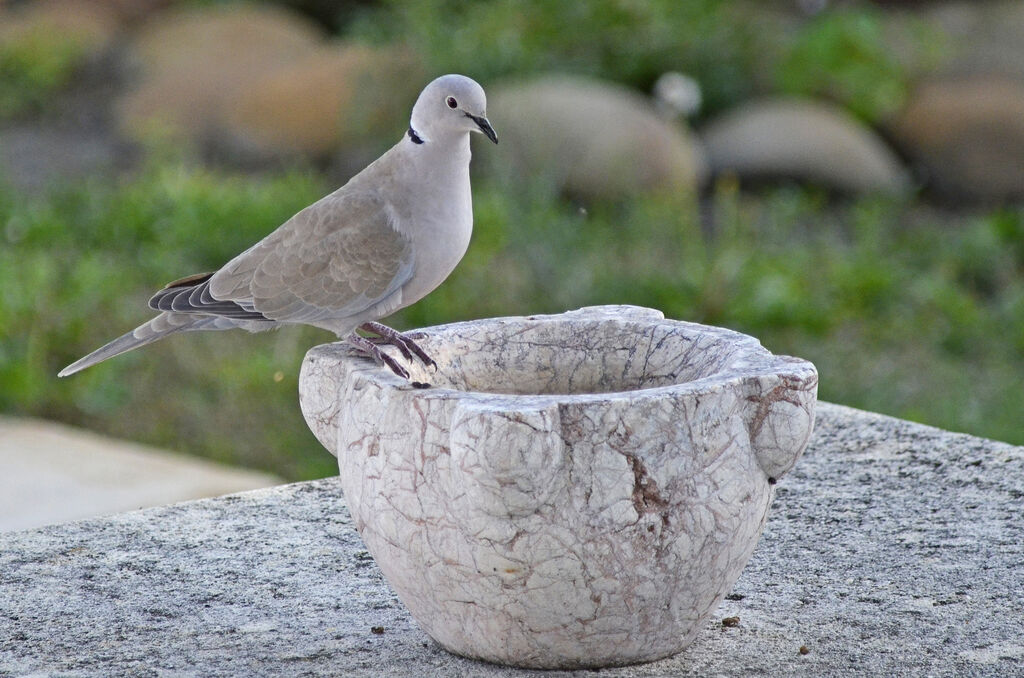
x=575 y=490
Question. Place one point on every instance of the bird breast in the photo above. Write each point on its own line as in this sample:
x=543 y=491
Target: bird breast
x=441 y=231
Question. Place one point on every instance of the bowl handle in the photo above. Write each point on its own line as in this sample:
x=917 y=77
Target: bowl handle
x=779 y=414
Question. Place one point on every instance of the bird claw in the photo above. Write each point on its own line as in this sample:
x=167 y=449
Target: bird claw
x=403 y=342
x=402 y=348
x=370 y=349
x=392 y=364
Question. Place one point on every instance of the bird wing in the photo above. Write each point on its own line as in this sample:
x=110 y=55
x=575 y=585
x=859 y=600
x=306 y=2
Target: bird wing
x=336 y=258
x=192 y=295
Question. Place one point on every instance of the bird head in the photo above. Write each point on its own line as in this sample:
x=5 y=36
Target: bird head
x=451 y=104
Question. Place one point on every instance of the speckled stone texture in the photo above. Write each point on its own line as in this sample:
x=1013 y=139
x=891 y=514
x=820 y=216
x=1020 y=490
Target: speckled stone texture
x=892 y=549
x=576 y=490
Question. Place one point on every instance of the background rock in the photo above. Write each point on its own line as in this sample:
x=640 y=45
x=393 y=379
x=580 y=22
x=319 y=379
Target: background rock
x=677 y=95
x=342 y=95
x=59 y=68
x=33 y=158
x=133 y=11
x=803 y=140
x=967 y=136
x=193 y=61
x=985 y=38
x=592 y=139
x=89 y=25
x=252 y=35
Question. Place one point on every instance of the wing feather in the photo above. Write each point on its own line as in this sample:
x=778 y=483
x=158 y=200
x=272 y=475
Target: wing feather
x=336 y=258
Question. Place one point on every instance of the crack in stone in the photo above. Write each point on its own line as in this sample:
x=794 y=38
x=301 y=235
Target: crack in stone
x=646 y=496
x=780 y=393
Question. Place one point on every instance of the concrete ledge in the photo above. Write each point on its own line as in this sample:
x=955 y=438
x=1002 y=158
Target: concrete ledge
x=891 y=549
x=53 y=473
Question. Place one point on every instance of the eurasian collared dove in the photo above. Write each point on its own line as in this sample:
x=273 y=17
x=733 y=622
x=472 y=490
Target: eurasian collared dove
x=379 y=243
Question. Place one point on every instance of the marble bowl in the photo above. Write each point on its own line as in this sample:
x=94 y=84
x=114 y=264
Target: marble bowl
x=574 y=490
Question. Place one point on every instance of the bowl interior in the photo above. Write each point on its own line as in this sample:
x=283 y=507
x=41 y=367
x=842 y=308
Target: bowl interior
x=548 y=357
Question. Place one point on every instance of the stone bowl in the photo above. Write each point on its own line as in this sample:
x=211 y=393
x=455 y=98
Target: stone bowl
x=574 y=491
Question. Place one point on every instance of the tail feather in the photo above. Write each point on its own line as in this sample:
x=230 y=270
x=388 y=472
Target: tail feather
x=159 y=327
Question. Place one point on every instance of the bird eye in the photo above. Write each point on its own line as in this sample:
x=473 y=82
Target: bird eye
x=452 y=103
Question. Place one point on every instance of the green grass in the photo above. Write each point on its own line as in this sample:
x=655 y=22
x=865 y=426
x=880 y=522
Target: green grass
x=34 y=66
x=76 y=269
x=904 y=310
x=845 y=56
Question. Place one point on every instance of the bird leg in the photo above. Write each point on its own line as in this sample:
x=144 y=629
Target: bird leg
x=380 y=357
x=403 y=342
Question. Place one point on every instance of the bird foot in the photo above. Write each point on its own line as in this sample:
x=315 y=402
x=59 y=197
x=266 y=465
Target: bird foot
x=403 y=342
x=380 y=357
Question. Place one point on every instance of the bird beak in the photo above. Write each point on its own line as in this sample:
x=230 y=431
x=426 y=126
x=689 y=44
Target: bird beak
x=484 y=126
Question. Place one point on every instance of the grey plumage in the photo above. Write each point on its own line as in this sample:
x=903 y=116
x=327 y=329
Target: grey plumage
x=379 y=243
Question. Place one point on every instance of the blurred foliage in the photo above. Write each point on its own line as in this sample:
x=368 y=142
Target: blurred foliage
x=718 y=43
x=76 y=270
x=733 y=48
x=844 y=55
x=902 y=310
x=34 y=66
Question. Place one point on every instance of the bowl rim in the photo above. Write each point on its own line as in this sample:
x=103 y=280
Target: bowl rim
x=751 y=362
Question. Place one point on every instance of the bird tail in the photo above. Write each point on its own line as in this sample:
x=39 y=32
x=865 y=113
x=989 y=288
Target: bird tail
x=159 y=327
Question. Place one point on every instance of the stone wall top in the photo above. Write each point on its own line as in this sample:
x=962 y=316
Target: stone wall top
x=892 y=548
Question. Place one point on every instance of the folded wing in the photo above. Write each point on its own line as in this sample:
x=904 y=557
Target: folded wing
x=334 y=259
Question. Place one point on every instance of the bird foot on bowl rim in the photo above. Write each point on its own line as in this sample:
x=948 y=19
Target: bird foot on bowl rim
x=371 y=350
x=403 y=342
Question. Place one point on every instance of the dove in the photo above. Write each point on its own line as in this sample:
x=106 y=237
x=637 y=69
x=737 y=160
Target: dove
x=381 y=242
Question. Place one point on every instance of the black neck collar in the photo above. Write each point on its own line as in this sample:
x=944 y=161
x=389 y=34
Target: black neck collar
x=416 y=139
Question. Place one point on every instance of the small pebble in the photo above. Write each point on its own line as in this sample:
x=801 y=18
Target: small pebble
x=803 y=649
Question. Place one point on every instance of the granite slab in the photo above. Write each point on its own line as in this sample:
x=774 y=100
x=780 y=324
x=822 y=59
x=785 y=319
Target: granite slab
x=892 y=549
